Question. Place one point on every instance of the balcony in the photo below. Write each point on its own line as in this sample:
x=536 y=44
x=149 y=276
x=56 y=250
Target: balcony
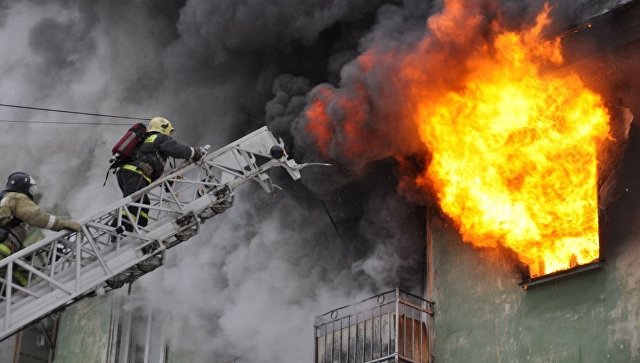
x=393 y=326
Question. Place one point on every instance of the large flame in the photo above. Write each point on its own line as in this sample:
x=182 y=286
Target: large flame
x=514 y=153
x=513 y=146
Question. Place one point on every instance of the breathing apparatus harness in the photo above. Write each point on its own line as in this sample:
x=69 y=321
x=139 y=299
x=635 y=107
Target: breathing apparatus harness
x=5 y=230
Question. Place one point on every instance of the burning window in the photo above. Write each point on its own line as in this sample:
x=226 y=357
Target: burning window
x=513 y=143
x=515 y=154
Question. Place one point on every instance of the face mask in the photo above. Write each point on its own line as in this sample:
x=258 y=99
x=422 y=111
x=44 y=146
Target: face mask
x=33 y=188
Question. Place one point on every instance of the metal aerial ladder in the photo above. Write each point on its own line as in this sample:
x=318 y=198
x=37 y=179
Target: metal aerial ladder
x=68 y=266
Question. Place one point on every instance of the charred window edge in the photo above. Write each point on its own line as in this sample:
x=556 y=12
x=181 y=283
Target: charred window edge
x=558 y=275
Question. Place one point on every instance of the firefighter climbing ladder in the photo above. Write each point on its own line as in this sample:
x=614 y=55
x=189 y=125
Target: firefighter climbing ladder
x=68 y=266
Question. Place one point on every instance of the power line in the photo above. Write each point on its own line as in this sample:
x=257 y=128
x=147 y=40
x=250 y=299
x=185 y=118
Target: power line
x=67 y=122
x=72 y=112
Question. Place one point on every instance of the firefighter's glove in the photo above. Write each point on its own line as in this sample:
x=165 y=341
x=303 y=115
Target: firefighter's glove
x=197 y=154
x=70 y=225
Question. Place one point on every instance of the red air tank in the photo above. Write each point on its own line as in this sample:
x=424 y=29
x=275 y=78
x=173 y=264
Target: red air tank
x=128 y=142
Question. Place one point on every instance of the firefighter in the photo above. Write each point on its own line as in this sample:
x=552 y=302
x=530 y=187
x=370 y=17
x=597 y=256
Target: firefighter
x=147 y=164
x=17 y=210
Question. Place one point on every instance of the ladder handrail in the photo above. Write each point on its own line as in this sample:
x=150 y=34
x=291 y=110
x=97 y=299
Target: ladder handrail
x=66 y=266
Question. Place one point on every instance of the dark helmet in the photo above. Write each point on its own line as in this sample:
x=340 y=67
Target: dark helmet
x=20 y=182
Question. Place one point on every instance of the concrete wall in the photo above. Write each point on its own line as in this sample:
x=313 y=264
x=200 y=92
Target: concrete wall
x=83 y=334
x=179 y=356
x=7 y=349
x=482 y=315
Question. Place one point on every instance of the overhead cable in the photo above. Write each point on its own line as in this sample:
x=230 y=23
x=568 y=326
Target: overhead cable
x=67 y=122
x=72 y=112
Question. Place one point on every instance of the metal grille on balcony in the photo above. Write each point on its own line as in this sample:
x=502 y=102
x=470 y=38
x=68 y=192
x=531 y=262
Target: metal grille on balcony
x=370 y=331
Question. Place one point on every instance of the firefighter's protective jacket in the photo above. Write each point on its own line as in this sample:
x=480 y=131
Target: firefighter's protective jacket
x=152 y=154
x=20 y=206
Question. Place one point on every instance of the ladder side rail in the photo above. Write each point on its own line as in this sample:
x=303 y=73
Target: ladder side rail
x=60 y=300
x=93 y=251
x=124 y=202
x=71 y=295
x=94 y=229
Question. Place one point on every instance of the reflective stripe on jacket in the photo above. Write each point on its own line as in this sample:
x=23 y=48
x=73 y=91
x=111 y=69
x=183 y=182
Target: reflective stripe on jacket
x=155 y=150
x=136 y=170
x=5 y=250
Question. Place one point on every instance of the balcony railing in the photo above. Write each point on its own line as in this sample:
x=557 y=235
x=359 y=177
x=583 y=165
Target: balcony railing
x=393 y=326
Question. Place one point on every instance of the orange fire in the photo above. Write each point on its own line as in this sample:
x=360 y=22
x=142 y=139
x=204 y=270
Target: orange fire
x=513 y=146
x=514 y=153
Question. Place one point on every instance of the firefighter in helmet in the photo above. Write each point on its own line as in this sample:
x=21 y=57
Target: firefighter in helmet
x=148 y=162
x=17 y=210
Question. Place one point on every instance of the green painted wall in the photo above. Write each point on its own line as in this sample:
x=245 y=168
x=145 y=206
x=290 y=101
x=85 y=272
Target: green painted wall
x=482 y=315
x=180 y=356
x=84 y=331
